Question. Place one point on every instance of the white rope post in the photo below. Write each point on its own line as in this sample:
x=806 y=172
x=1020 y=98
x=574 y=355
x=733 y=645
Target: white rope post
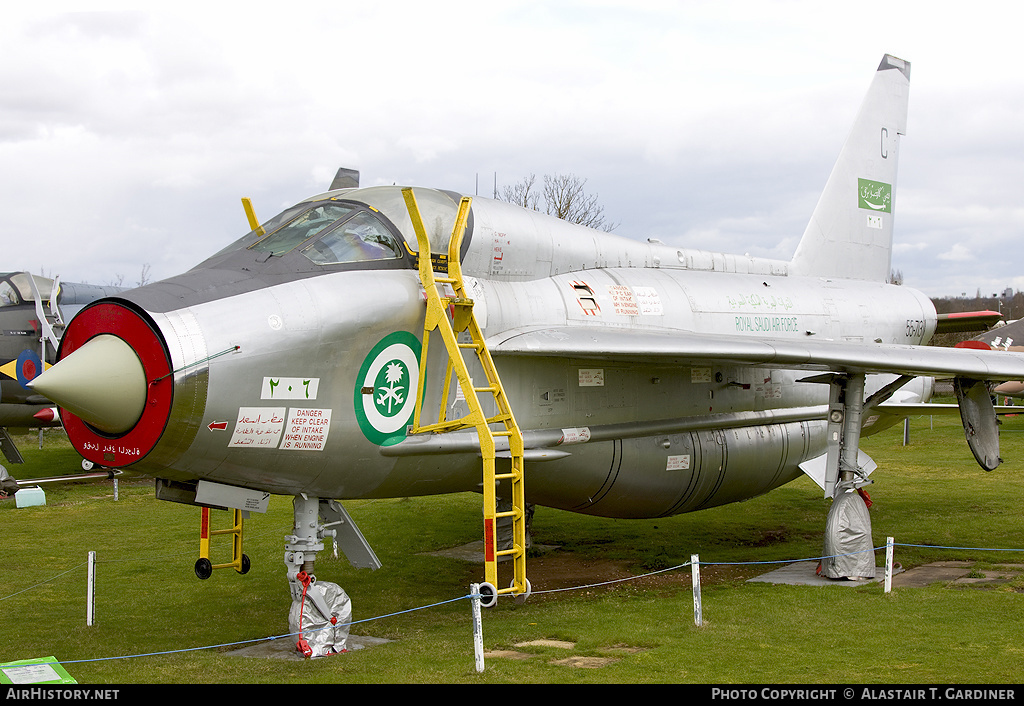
x=698 y=618
x=888 y=564
x=90 y=597
x=478 y=632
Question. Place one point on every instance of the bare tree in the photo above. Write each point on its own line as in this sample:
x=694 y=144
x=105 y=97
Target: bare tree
x=522 y=194
x=562 y=196
x=143 y=276
x=143 y=280
x=566 y=199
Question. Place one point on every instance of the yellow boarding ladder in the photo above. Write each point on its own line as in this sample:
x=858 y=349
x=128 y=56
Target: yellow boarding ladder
x=239 y=561
x=503 y=423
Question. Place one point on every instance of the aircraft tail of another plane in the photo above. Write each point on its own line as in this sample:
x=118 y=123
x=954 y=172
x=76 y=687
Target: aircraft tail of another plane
x=849 y=235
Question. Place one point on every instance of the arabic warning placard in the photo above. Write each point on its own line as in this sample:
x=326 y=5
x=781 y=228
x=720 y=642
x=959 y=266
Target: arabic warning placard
x=307 y=429
x=258 y=427
x=648 y=301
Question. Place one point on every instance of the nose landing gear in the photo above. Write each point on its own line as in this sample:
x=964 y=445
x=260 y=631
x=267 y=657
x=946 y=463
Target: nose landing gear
x=321 y=611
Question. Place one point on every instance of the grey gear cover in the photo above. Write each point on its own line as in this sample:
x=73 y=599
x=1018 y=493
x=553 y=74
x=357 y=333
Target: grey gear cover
x=320 y=635
x=849 y=552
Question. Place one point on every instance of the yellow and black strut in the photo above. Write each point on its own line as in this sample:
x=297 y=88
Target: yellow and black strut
x=502 y=424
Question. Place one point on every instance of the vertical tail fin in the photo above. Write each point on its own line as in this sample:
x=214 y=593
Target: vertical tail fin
x=850 y=232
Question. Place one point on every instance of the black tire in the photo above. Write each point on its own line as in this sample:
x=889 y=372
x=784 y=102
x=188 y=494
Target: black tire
x=204 y=569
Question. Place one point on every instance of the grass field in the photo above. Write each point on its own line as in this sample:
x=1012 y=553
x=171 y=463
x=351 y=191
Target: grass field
x=151 y=611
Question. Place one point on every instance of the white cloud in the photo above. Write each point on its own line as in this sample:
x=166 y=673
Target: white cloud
x=958 y=253
x=146 y=128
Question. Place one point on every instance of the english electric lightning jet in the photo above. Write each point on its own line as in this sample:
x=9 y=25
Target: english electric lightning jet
x=629 y=379
x=33 y=310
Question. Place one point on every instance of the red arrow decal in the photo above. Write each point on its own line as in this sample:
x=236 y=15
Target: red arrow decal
x=217 y=426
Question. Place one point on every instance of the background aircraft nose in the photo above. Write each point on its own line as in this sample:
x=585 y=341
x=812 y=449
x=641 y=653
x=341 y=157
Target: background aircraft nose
x=103 y=383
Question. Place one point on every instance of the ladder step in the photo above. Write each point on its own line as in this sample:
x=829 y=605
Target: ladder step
x=442 y=427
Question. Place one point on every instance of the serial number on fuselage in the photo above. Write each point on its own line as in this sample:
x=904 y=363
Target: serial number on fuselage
x=915 y=328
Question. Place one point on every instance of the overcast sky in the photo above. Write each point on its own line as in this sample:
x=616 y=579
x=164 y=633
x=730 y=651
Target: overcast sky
x=128 y=138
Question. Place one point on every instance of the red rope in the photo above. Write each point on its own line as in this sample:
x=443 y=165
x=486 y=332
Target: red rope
x=303 y=646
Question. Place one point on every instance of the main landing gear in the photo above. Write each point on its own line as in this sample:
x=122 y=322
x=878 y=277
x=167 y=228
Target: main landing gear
x=848 y=549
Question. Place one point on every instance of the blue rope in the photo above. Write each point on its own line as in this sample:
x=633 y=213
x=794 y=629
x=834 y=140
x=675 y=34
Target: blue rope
x=261 y=639
x=477 y=595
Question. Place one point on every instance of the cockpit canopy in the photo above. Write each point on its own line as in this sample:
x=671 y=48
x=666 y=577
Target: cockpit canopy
x=363 y=228
x=16 y=288
x=331 y=233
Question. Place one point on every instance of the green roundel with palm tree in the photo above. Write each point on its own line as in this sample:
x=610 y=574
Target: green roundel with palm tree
x=385 y=390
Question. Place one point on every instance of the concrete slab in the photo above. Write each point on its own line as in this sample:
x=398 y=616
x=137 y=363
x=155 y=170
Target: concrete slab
x=508 y=654
x=998 y=575
x=951 y=572
x=956 y=573
x=804 y=573
x=582 y=662
x=561 y=644
x=937 y=571
x=284 y=648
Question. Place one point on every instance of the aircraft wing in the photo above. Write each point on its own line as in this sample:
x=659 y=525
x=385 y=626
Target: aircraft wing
x=920 y=409
x=687 y=348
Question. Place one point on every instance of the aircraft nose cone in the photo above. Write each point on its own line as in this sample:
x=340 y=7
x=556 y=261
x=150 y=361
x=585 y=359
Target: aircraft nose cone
x=102 y=382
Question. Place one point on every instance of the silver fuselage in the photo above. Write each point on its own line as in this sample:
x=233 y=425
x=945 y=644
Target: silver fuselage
x=676 y=437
